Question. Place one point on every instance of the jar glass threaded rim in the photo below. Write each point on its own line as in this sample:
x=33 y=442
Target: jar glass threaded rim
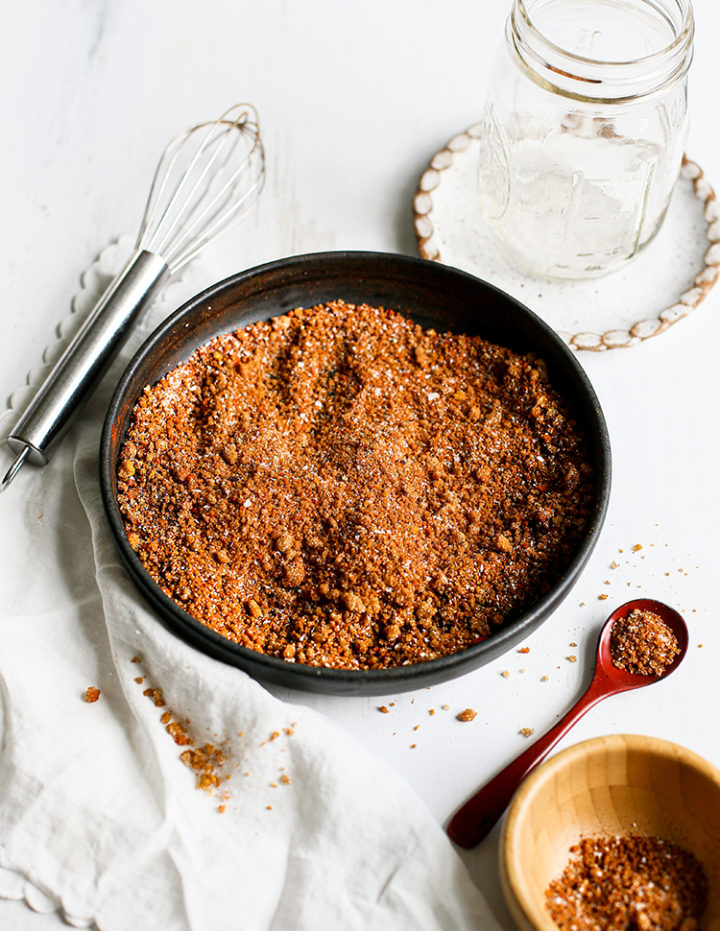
x=583 y=74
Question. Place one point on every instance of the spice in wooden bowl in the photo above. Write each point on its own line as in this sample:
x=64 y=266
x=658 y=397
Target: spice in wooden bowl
x=628 y=882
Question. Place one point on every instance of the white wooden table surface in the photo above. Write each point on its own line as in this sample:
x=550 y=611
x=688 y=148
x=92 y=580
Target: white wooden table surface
x=354 y=99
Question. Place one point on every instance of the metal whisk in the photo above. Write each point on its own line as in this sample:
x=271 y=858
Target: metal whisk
x=208 y=178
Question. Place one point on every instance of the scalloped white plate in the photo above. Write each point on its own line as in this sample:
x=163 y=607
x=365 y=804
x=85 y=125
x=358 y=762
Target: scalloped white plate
x=667 y=280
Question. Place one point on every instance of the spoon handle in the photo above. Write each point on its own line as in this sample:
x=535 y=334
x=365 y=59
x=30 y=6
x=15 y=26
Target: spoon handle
x=476 y=818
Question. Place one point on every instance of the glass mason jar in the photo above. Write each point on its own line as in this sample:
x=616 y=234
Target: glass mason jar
x=584 y=130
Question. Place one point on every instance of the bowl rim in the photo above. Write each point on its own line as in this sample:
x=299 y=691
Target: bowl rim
x=510 y=871
x=349 y=681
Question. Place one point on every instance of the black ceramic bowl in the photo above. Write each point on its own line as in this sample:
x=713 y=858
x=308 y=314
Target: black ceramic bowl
x=431 y=294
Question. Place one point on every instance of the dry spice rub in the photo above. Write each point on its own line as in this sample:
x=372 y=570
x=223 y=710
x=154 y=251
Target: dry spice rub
x=340 y=487
x=642 y=643
x=632 y=883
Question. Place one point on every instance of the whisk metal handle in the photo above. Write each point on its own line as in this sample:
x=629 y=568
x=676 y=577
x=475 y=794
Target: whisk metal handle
x=48 y=416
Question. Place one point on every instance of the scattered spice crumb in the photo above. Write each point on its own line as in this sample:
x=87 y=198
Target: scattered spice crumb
x=527 y=731
x=92 y=694
x=179 y=734
x=445 y=707
x=573 y=644
x=469 y=714
x=412 y=746
x=136 y=659
x=603 y=597
x=522 y=670
x=285 y=779
x=139 y=679
x=156 y=695
x=700 y=646
x=524 y=650
x=417 y=727
x=637 y=548
x=273 y=785
x=505 y=673
x=221 y=809
x=274 y=735
x=613 y=565
x=268 y=807
x=431 y=712
x=384 y=709
x=205 y=760
x=289 y=731
x=572 y=658
x=544 y=678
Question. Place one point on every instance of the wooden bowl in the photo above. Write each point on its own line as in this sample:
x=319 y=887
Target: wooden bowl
x=620 y=784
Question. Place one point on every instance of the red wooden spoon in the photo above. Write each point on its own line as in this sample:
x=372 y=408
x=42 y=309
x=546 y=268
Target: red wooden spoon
x=476 y=818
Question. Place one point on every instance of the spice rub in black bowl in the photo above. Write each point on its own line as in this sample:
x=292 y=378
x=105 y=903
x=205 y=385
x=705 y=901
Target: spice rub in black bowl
x=350 y=499
x=344 y=488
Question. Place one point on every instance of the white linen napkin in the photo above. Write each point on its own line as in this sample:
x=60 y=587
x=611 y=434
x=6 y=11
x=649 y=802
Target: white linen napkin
x=101 y=819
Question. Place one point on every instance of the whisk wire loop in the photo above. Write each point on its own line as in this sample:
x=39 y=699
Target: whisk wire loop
x=172 y=215
x=197 y=193
x=220 y=208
